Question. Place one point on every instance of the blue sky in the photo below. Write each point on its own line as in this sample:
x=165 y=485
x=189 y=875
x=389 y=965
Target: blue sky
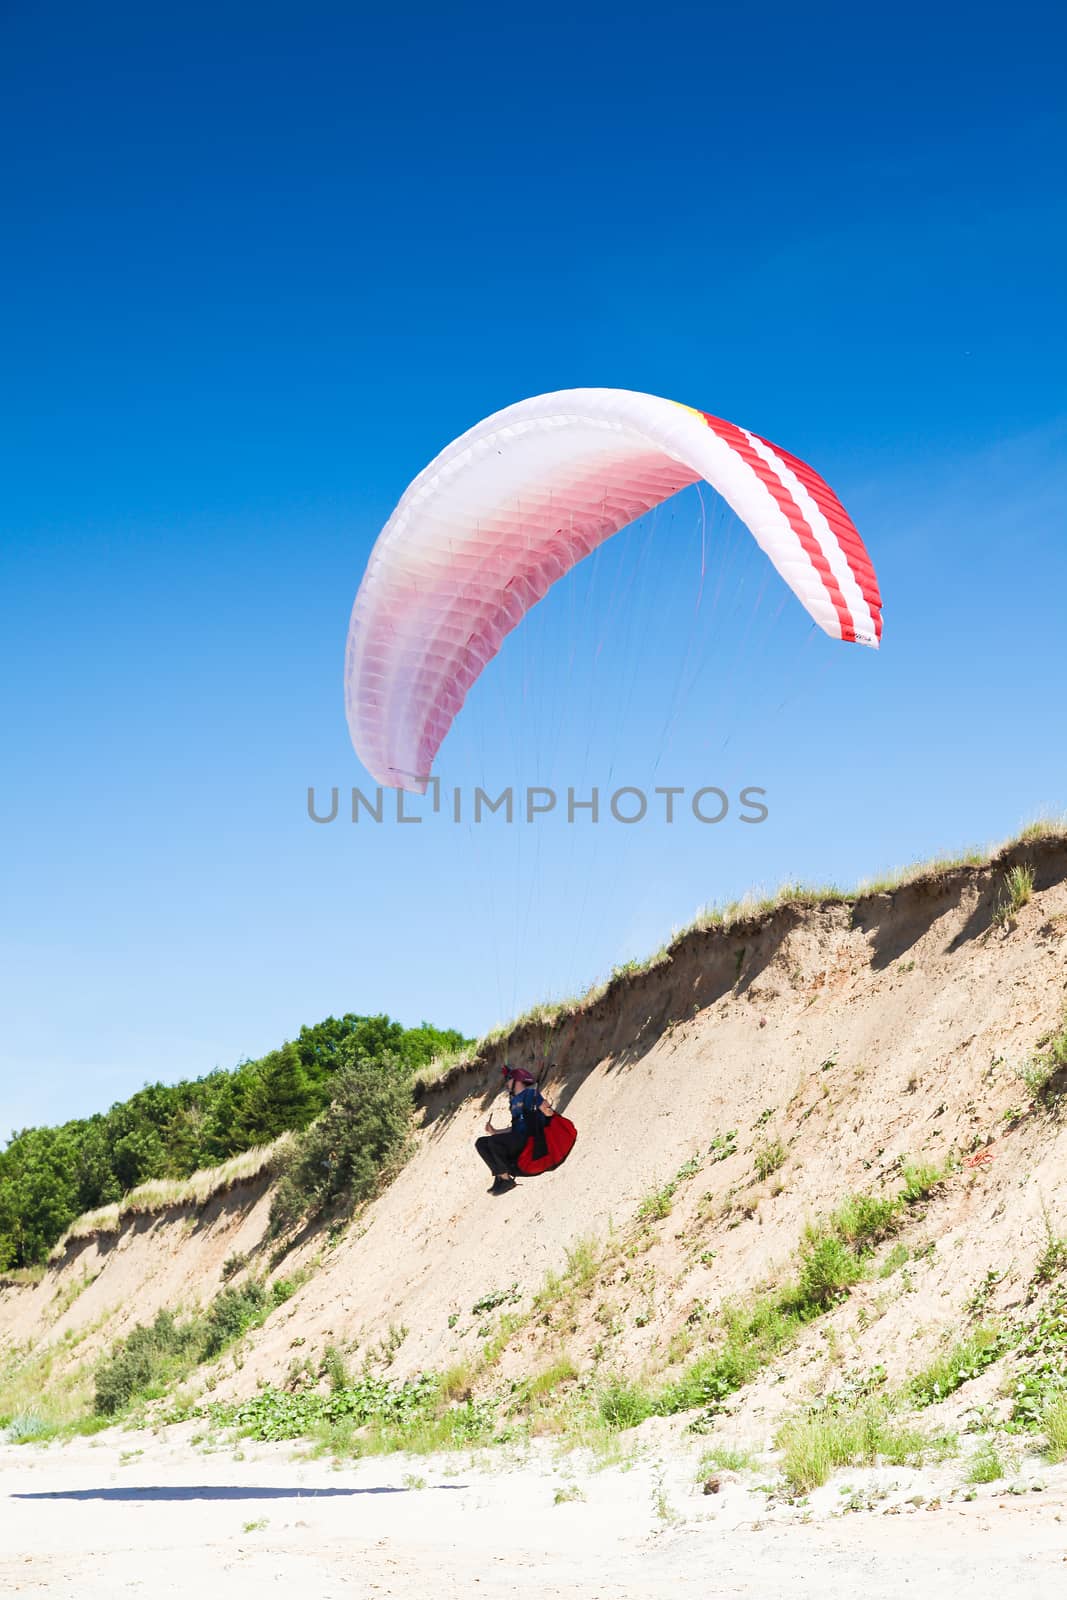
x=260 y=263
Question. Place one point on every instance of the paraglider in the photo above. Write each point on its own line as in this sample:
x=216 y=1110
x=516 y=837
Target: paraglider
x=510 y=506
x=485 y=530
x=539 y=1139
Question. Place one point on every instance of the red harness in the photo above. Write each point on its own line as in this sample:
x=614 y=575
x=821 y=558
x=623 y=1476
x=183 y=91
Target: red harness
x=560 y=1134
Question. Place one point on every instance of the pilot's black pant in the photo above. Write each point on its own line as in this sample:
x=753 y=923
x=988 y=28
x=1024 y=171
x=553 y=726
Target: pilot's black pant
x=500 y=1151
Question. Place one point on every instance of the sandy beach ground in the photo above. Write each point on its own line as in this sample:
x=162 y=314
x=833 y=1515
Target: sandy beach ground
x=133 y=1514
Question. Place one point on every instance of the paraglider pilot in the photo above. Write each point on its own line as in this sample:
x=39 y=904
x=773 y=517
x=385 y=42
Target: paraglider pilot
x=500 y=1148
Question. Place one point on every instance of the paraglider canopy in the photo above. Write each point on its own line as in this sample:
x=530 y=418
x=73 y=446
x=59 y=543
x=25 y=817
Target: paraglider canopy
x=509 y=507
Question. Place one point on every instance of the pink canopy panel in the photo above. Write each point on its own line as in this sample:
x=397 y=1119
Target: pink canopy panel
x=514 y=503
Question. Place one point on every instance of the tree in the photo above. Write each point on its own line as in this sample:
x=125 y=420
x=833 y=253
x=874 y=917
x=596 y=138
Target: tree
x=342 y=1155
x=49 y=1176
x=280 y=1096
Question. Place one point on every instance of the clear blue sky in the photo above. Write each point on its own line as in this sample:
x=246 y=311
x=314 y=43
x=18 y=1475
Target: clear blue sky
x=261 y=262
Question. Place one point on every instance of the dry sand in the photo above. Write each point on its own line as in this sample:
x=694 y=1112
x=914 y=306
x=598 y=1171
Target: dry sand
x=133 y=1515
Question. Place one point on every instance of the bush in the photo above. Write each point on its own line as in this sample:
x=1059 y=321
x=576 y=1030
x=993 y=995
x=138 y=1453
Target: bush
x=156 y=1354
x=341 y=1158
x=144 y=1360
x=232 y=1313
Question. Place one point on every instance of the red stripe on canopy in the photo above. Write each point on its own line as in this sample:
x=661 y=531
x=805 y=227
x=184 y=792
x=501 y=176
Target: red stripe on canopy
x=794 y=515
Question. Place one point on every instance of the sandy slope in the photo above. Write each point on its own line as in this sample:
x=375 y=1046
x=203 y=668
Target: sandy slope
x=87 y=1521
x=853 y=1034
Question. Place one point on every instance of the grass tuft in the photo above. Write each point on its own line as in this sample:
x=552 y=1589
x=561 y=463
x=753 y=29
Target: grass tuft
x=1054 y=1422
x=1016 y=891
x=725 y=1458
x=986 y=1465
x=768 y=1157
x=921 y=1178
x=815 y=1445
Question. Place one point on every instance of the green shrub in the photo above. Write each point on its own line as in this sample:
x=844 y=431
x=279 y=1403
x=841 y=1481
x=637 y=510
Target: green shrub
x=157 y=1354
x=145 y=1360
x=231 y=1314
x=340 y=1159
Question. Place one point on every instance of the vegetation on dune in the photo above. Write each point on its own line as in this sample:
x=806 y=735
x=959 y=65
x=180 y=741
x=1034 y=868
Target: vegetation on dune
x=345 y=1154
x=44 y=1394
x=858 y=1426
x=1016 y=891
x=1039 y=1384
x=835 y=1253
x=358 y=1413
x=369 y=1415
x=161 y=1193
x=51 y=1176
x=154 y=1356
x=440 y=1410
x=963 y=1361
